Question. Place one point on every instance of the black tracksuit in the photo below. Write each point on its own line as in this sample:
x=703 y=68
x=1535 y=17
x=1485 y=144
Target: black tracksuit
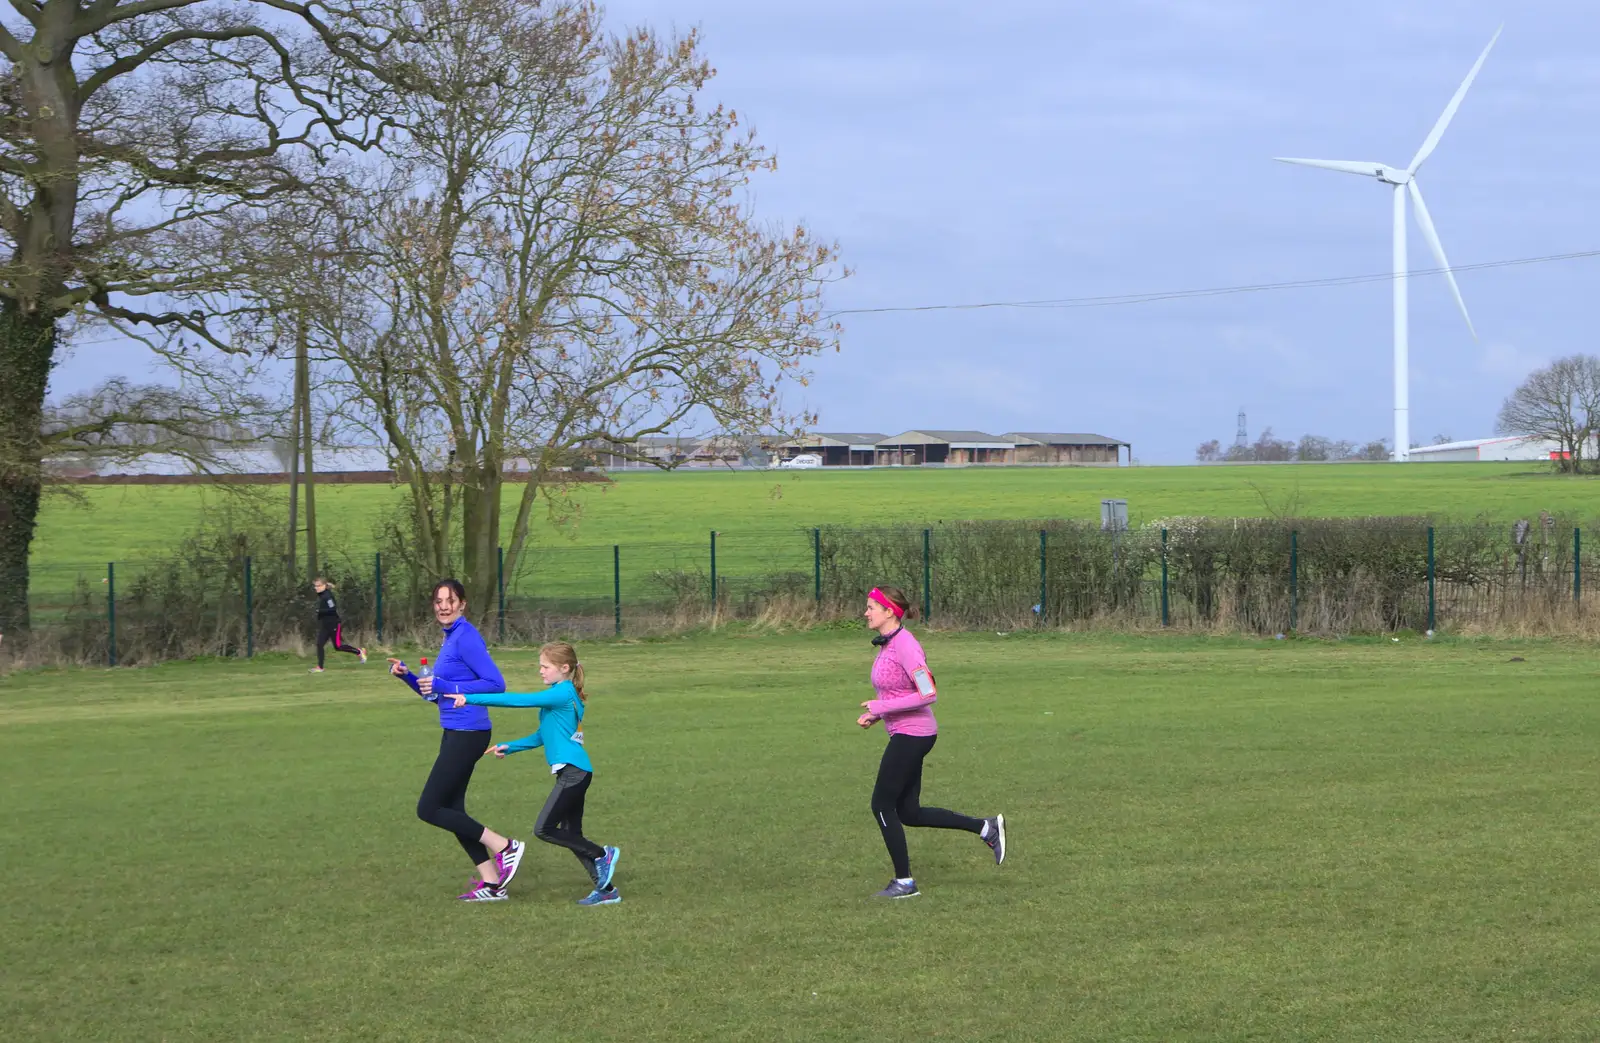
x=329 y=628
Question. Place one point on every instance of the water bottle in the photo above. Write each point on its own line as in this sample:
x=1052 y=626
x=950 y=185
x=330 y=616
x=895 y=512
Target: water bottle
x=424 y=670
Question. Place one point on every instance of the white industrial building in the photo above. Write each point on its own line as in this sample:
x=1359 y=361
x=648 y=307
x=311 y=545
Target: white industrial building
x=1479 y=449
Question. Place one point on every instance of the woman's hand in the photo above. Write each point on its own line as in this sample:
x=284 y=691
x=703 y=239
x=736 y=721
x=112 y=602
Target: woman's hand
x=397 y=667
x=866 y=720
x=499 y=751
x=425 y=685
x=458 y=700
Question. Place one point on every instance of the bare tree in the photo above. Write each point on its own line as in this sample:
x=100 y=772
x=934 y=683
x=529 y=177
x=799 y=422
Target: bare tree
x=1314 y=448
x=1208 y=452
x=1560 y=403
x=128 y=130
x=561 y=259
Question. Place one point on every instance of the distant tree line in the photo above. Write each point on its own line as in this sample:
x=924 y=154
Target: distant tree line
x=1268 y=448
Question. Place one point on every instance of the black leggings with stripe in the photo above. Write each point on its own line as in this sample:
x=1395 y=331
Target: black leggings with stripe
x=897 y=799
x=330 y=629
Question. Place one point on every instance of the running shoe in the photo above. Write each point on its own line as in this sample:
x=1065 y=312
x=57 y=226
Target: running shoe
x=508 y=860
x=597 y=897
x=483 y=892
x=898 y=890
x=605 y=866
x=318 y=670
x=363 y=653
x=997 y=837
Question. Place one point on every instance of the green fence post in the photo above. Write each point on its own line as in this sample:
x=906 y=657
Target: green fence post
x=1432 y=603
x=1577 y=565
x=249 y=611
x=500 y=587
x=1294 y=577
x=816 y=562
x=111 y=613
x=1165 y=619
x=1044 y=583
x=616 y=585
x=927 y=573
x=713 y=568
x=377 y=586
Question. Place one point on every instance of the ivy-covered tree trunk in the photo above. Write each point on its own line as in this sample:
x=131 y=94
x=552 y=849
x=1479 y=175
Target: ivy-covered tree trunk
x=27 y=349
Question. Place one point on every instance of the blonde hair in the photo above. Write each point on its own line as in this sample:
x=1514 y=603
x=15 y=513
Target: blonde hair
x=562 y=654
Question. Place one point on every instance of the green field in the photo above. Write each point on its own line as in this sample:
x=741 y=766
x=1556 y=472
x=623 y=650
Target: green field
x=1211 y=840
x=131 y=523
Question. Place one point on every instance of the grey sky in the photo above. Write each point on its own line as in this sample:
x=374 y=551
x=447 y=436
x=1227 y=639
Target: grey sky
x=1026 y=150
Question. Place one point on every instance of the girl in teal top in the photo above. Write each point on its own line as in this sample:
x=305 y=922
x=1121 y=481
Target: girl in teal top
x=560 y=732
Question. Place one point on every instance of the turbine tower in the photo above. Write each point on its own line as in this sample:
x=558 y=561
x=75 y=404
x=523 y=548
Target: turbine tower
x=1404 y=183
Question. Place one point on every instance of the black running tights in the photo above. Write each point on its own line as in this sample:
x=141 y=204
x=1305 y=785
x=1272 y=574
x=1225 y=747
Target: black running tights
x=329 y=629
x=444 y=796
x=561 y=820
x=896 y=799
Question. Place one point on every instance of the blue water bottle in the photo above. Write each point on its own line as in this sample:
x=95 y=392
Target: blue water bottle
x=424 y=670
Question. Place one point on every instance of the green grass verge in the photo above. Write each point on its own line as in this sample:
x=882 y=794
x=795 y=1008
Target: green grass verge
x=1211 y=840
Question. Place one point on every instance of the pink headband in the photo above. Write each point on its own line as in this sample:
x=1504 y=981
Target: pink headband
x=881 y=598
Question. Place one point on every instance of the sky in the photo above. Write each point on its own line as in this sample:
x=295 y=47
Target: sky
x=1035 y=150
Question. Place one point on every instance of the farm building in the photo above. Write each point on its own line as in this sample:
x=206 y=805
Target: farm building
x=1512 y=448
x=1051 y=447
x=837 y=448
x=945 y=447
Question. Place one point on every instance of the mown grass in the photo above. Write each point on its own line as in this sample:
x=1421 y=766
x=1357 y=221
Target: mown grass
x=1211 y=840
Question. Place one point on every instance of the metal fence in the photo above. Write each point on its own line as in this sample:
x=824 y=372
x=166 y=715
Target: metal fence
x=1322 y=576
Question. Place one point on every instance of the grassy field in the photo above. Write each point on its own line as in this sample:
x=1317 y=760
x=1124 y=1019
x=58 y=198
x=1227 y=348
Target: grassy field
x=1220 y=840
x=129 y=523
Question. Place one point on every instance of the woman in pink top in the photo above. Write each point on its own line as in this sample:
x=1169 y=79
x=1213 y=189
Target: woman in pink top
x=904 y=703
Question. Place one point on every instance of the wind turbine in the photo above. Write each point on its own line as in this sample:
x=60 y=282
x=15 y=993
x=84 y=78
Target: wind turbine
x=1404 y=182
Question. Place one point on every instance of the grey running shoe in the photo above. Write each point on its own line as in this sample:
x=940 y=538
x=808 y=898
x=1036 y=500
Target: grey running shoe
x=898 y=890
x=997 y=837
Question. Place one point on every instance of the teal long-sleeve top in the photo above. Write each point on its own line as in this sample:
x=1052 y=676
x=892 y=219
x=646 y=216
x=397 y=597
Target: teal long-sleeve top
x=560 y=722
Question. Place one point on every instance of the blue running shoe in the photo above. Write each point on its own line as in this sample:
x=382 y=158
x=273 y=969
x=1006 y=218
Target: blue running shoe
x=605 y=866
x=611 y=897
x=898 y=890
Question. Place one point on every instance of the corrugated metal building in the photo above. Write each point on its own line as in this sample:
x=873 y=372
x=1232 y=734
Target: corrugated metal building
x=1513 y=447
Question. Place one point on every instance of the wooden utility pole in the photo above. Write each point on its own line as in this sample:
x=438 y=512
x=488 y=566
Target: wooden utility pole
x=294 y=472
x=303 y=368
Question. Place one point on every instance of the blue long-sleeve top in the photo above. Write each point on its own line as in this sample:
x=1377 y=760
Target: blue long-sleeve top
x=462 y=667
x=560 y=722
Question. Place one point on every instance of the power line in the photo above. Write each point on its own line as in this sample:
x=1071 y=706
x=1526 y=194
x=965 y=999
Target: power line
x=1115 y=300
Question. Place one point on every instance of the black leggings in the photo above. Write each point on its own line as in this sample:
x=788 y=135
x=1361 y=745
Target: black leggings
x=444 y=796
x=561 y=820
x=896 y=799
x=330 y=629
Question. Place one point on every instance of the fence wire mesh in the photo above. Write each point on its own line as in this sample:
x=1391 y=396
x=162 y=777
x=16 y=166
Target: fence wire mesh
x=1254 y=576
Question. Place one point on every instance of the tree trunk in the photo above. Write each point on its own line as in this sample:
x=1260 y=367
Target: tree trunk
x=303 y=380
x=480 y=538
x=27 y=351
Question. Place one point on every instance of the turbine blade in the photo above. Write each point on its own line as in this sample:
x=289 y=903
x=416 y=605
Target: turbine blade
x=1425 y=220
x=1438 y=130
x=1346 y=166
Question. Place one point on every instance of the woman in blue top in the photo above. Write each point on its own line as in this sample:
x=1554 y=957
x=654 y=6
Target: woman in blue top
x=463 y=665
x=560 y=732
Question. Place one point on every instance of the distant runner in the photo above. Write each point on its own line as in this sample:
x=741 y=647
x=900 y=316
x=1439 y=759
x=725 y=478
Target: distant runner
x=329 y=627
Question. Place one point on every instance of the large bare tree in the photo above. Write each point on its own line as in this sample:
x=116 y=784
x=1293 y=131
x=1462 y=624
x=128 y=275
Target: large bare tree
x=130 y=130
x=562 y=257
x=1560 y=403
